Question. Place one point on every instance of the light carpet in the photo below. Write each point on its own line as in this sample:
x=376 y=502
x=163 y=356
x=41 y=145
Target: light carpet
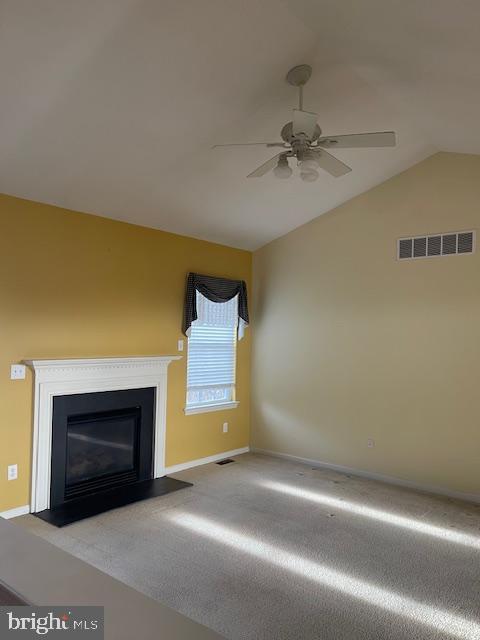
x=269 y=549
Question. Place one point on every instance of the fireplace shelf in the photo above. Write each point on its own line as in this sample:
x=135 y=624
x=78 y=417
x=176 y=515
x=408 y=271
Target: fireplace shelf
x=94 y=504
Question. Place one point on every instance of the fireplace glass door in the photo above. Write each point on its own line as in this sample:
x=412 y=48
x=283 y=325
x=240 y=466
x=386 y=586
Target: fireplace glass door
x=102 y=448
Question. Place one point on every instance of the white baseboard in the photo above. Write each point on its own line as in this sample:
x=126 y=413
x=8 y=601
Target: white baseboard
x=215 y=458
x=441 y=491
x=21 y=511
x=14 y=513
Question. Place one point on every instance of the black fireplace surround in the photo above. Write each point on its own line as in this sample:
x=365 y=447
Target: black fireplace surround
x=100 y=440
x=102 y=453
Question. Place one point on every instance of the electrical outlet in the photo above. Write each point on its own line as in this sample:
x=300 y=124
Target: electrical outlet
x=225 y=427
x=370 y=443
x=17 y=372
x=180 y=345
x=12 y=472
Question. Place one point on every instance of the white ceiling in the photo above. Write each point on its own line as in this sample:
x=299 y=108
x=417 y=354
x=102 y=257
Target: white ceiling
x=111 y=106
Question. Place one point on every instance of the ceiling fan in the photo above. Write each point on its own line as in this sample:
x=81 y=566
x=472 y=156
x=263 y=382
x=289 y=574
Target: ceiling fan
x=302 y=140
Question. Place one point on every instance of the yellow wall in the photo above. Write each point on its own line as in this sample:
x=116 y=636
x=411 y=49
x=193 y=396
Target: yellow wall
x=351 y=344
x=76 y=285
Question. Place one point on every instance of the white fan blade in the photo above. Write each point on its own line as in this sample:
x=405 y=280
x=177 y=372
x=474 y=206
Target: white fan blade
x=265 y=167
x=331 y=164
x=304 y=122
x=359 y=140
x=250 y=144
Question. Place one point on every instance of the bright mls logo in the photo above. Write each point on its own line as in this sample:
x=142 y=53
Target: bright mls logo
x=56 y=622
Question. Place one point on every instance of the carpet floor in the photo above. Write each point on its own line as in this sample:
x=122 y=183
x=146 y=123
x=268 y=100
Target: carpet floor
x=268 y=549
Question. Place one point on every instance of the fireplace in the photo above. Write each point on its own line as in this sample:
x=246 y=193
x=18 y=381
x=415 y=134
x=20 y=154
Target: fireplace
x=98 y=435
x=100 y=441
x=102 y=450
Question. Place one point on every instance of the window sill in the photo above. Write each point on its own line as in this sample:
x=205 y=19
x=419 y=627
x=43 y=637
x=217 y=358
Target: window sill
x=189 y=411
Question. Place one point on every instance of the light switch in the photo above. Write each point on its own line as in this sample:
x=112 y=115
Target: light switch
x=17 y=372
x=180 y=345
x=12 y=472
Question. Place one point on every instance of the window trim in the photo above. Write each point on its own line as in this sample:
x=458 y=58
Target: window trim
x=207 y=408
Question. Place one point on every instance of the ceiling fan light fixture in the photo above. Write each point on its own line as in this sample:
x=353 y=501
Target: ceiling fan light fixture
x=309 y=176
x=282 y=170
x=308 y=164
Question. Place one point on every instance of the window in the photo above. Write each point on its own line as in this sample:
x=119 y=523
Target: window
x=212 y=356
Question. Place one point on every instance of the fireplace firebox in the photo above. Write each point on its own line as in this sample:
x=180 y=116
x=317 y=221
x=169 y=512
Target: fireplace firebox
x=102 y=450
x=100 y=441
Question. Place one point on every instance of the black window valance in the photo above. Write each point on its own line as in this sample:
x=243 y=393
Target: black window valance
x=216 y=290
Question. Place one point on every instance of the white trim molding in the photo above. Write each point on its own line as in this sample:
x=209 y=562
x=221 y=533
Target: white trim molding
x=14 y=513
x=89 y=375
x=190 y=411
x=183 y=466
x=441 y=491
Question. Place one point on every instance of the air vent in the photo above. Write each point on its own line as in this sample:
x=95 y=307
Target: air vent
x=465 y=242
x=446 y=244
x=419 y=247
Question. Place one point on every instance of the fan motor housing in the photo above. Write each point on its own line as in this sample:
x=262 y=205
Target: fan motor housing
x=287 y=134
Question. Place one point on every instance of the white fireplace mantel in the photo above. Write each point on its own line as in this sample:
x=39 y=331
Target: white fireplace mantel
x=65 y=377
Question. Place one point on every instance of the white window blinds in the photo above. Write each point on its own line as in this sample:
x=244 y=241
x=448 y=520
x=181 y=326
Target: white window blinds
x=212 y=353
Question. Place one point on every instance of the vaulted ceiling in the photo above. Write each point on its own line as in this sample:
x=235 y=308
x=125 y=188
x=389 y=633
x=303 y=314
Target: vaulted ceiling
x=111 y=106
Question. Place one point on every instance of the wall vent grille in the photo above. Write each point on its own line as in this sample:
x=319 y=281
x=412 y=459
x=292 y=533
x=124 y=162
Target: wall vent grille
x=445 y=244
